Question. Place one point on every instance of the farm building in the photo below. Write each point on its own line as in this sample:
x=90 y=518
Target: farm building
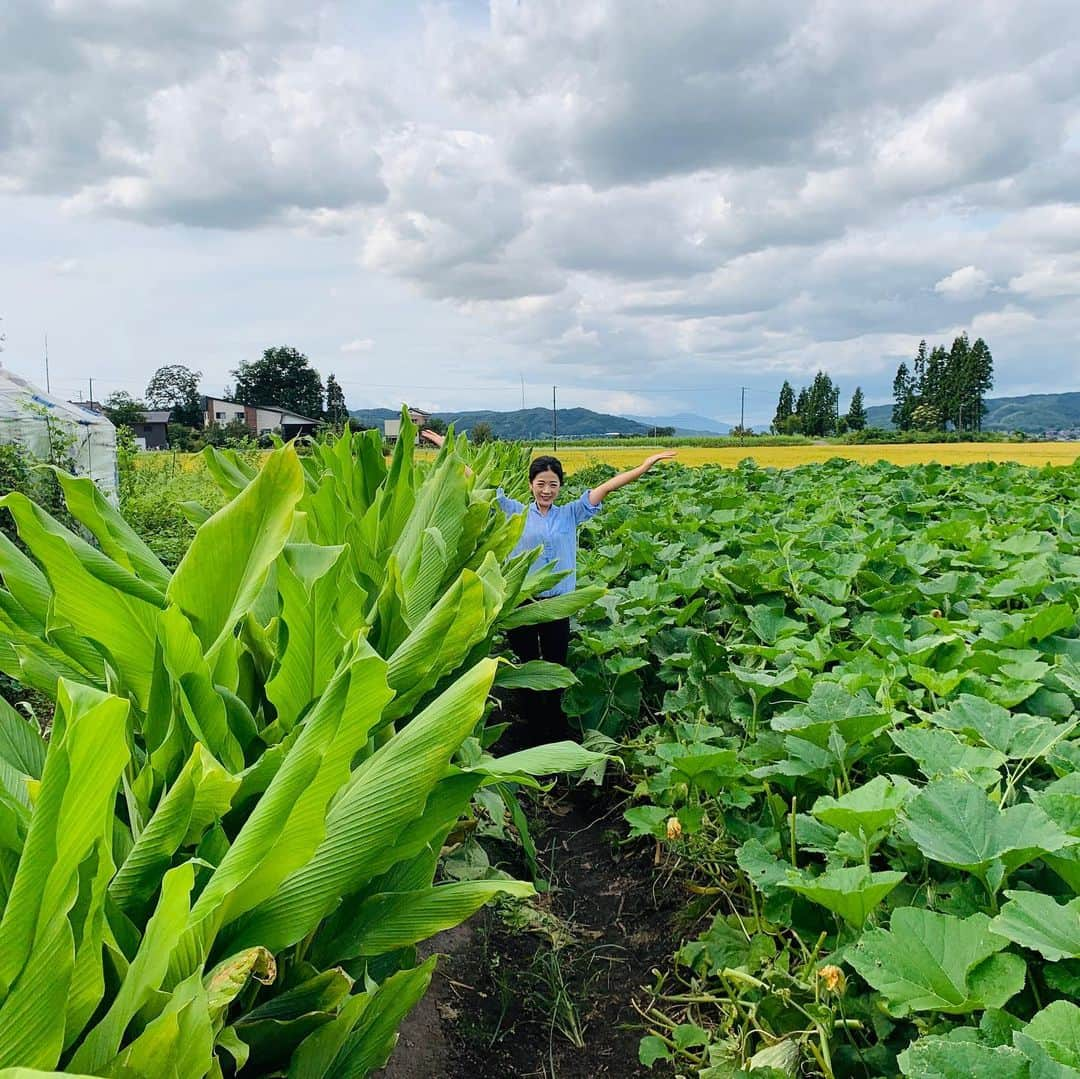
x=152 y=433
x=37 y=421
x=392 y=428
x=259 y=419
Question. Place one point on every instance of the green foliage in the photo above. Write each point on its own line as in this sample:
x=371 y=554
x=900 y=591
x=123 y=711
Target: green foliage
x=856 y=414
x=336 y=410
x=224 y=857
x=123 y=409
x=176 y=388
x=944 y=388
x=480 y=433
x=847 y=696
x=282 y=376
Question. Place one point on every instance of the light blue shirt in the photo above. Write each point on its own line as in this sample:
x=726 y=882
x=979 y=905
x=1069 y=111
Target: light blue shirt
x=555 y=532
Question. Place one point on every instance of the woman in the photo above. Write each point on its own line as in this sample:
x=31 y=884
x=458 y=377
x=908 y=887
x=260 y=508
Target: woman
x=553 y=528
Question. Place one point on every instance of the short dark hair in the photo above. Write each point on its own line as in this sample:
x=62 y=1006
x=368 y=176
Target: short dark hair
x=546 y=464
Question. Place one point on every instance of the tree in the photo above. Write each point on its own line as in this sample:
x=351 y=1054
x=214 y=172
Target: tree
x=954 y=391
x=785 y=406
x=480 y=433
x=918 y=370
x=903 y=399
x=123 y=409
x=337 y=411
x=856 y=414
x=934 y=388
x=802 y=411
x=818 y=415
x=981 y=364
x=282 y=377
x=176 y=388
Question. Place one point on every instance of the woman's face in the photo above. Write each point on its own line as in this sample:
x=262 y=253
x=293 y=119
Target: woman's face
x=545 y=488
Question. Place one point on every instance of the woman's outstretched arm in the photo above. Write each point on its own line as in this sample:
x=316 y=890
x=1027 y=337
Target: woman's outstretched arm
x=437 y=440
x=598 y=494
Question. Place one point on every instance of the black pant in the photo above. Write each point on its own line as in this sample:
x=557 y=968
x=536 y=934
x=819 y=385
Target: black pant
x=542 y=711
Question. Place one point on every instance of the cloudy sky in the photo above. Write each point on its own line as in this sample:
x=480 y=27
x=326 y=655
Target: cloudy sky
x=649 y=204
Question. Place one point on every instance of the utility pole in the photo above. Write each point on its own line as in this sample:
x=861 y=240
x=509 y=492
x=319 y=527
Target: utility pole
x=554 y=423
x=48 y=388
x=836 y=410
x=91 y=394
x=742 y=415
x=522 y=393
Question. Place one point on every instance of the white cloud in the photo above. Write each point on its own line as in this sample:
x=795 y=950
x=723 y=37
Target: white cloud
x=967 y=283
x=359 y=344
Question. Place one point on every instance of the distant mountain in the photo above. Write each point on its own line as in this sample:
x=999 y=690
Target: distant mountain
x=1034 y=413
x=686 y=423
x=524 y=424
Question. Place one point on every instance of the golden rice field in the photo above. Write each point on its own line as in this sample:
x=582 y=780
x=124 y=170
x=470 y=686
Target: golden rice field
x=948 y=453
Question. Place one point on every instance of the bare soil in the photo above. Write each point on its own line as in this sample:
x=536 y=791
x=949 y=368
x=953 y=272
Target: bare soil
x=554 y=1000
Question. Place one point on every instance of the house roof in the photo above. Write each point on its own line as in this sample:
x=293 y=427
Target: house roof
x=158 y=415
x=293 y=417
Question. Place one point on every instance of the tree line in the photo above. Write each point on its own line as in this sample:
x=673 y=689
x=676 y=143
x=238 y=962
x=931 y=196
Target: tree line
x=815 y=410
x=282 y=377
x=943 y=387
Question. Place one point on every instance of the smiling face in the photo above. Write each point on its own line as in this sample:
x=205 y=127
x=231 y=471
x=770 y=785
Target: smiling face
x=545 y=488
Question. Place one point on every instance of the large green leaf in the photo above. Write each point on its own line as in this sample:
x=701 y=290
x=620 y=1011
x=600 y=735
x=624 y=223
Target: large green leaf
x=289 y=820
x=98 y=598
x=939 y=1057
x=1039 y=922
x=941 y=753
x=936 y=962
x=1016 y=736
x=1060 y=801
x=179 y=1043
x=954 y=822
x=393 y=920
x=866 y=809
x=236 y=548
x=145 y=974
x=202 y=705
x=22 y=753
x=387 y=791
x=552 y=607
x=373 y=1038
x=117 y=538
x=71 y=827
x=309 y=582
x=852 y=892
x=1056 y=1031
x=200 y=795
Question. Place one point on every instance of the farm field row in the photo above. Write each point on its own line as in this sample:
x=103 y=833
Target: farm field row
x=846 y=697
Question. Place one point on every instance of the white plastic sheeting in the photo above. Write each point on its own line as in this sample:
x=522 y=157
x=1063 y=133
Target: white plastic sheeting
x=33 y=419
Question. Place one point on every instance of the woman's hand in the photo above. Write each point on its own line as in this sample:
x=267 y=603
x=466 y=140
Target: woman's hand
x=667 y=455
x=433 y=437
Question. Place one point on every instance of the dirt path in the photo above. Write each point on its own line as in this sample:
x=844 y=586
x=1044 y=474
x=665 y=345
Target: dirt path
x=553 y=999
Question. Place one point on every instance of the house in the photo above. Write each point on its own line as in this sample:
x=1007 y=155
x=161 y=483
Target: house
x=259 y=419
x=153 y=433
x=392 y=428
